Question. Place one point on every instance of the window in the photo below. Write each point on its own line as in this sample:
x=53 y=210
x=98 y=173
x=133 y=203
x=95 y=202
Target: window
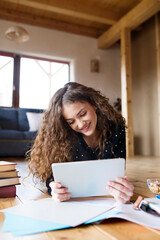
x=6 y=80
x=34 y=80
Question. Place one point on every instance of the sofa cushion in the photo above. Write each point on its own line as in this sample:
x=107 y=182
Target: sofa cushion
x=30 y=135
x=34 y=120
x=22 y=117
x=11 y=134
x=8 y=118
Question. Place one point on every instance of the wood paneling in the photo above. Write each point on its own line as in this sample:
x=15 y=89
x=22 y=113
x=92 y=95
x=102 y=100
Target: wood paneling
x=61 y=10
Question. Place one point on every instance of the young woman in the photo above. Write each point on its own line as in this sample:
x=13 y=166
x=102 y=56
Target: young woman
x=79 y=125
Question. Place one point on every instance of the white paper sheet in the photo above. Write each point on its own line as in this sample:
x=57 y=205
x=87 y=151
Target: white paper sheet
x=138 y=216
x=71 y=213
x=88 y=178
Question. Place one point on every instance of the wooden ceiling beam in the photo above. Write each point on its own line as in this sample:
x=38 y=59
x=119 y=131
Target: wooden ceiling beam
x=50 y=8
x=138 y=15
x=49 y=23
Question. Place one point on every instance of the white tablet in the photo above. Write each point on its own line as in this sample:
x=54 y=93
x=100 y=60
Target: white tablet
x=88 y=178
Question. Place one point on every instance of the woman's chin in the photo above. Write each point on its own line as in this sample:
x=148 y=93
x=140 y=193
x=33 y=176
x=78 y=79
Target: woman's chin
x=87 y=134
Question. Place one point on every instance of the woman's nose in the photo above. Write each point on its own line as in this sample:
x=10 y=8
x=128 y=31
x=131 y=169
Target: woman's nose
x=80 y=124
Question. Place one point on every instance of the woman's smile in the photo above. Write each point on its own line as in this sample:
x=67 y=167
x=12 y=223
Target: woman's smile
x=86 y=128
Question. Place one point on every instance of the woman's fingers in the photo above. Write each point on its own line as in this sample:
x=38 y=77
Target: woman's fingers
x=57 y=188
x=125 y=182
x=118 y=195
x=55 y=185
x=121 y=189
x=61 y=197
x=58 y=192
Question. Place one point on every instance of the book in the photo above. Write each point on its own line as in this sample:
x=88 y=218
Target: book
x=9 y=181
x=9 y=174
x=7 y=166
x=7 y=192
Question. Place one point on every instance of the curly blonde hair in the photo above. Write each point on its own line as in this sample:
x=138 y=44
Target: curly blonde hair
x=55 y=137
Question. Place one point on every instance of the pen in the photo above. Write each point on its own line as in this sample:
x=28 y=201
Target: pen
x=155 y=206
x=147 y=207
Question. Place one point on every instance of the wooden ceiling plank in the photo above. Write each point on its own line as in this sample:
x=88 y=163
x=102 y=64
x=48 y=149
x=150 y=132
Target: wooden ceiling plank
x=131 y=20
x=51 y=24
x=51 y=8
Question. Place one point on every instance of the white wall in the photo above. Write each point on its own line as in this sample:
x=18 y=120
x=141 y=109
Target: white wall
x=77 y=49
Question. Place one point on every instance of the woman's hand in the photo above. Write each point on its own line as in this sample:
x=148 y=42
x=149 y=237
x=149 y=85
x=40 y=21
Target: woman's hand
x=121 y=189
x=58 y=192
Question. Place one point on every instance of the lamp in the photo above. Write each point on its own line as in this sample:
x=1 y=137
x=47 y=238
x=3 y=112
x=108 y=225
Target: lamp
x=17 y=33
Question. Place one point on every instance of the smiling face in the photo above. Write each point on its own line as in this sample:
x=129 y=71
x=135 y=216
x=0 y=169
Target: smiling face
x=81 y=117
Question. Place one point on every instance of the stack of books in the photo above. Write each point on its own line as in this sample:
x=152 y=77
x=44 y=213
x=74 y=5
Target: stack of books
x=8 y=179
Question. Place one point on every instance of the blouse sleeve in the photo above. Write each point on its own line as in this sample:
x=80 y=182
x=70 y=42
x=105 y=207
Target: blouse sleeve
x=50 y=179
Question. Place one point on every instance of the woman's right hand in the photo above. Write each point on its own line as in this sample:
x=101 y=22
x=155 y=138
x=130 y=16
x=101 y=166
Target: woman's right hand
x=58 y=192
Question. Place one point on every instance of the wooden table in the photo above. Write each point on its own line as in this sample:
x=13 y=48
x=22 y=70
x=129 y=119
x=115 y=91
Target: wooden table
x=138 y=169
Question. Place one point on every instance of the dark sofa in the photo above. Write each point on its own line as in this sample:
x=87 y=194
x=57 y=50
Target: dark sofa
x=15 y=137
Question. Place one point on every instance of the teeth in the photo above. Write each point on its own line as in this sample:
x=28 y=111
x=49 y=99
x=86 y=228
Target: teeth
x=85 y=127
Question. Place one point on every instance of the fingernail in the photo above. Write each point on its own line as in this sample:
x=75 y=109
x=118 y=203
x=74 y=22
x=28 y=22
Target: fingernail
x=59 y=185
x=68 y=197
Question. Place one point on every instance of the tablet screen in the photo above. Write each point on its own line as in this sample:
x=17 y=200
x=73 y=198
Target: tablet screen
x=88 y=178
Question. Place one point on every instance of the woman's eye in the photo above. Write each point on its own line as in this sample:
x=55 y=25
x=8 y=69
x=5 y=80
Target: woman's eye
x=83 y=114
x=70 y=123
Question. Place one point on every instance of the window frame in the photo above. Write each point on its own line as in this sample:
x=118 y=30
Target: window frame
x=16 y=73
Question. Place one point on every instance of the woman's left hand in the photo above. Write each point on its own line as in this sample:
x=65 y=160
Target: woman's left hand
x=121 y=189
